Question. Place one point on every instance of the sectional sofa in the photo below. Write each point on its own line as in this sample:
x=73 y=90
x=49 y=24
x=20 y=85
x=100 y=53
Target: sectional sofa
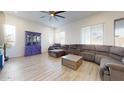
x=109 y=58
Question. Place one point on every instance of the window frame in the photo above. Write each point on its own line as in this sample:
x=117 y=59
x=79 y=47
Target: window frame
x=5 y=34
x=119 y=19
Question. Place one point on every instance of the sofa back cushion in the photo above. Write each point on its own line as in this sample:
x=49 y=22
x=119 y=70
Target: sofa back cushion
x=117 y=53
x=72 y=46
x=88 y=47
x=56 y=45
x=102 y=48
x=117 y=57
x=117 y=50
x=74 y=49
x=65 y=47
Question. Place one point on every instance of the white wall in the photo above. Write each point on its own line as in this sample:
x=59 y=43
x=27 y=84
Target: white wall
x=23 y=25
x=73 y=30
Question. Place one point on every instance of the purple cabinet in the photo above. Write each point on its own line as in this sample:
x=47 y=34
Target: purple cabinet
x=32 y=43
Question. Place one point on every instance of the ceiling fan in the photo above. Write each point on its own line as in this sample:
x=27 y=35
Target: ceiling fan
x=53 y=14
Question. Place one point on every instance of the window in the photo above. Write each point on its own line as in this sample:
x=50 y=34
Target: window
x=92 y=34
x=119 y=33
x=86 y=35
x=50 y=37
x=60 y=37
x=10 y=33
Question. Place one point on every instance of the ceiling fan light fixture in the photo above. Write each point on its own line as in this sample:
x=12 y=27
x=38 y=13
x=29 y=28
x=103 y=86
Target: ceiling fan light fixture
x=51 y=14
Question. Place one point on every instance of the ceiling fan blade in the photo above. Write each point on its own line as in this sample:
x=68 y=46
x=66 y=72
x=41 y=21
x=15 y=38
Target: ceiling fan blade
x=58 y=12
x=45 y=12
x=60 y=16
x=42 y=16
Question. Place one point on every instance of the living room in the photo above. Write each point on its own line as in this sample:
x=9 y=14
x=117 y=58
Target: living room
x=60 y=38
x=66 y=46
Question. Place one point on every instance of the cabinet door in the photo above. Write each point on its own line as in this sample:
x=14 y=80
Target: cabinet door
x=34 y=50
x=28 y=51
x=39 y=49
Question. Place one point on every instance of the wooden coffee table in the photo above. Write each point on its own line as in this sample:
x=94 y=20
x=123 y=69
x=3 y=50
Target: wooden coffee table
x=72 y=61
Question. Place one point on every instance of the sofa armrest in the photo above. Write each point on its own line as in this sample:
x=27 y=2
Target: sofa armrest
x=116 y=71
x=114 y=66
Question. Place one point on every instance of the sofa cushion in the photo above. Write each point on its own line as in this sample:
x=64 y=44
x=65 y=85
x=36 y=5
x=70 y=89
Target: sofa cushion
x=117 y=52
x=65 y=47
x=72 y=46
x=117 y=57
x=88 y=47
x=102 y=48
x=88 y=55
x=56 y=45
x=102 y=53
x=79 y=47
x=99 y=57
x=73 y=51
x=110 y=60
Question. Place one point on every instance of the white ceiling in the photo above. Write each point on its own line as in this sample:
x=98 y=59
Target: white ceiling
x=70 y=16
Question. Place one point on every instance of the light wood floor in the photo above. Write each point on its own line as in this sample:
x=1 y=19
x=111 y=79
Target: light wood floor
x=44 y=67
